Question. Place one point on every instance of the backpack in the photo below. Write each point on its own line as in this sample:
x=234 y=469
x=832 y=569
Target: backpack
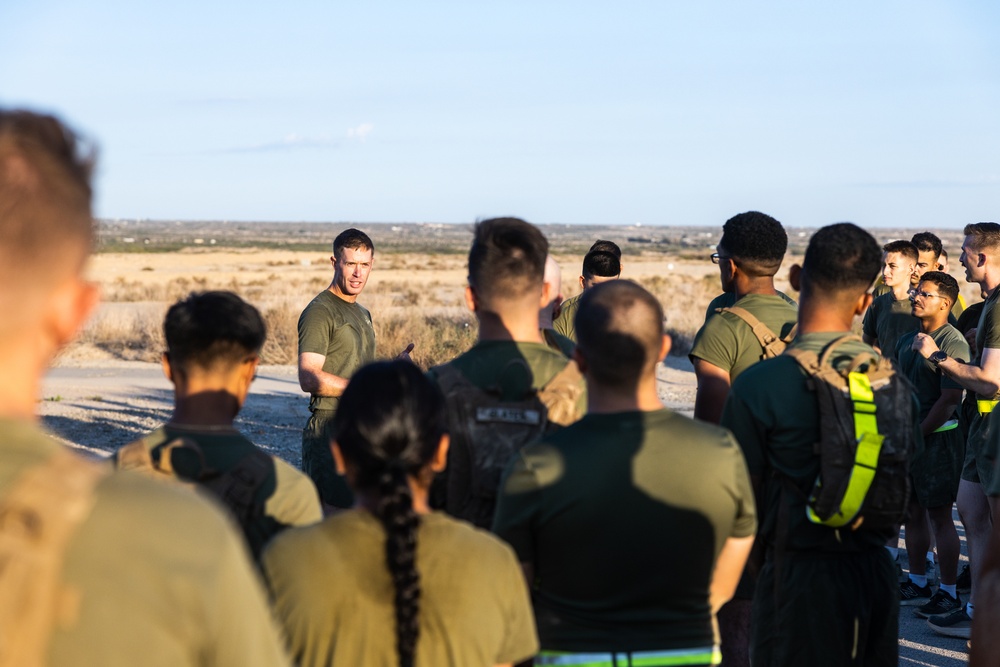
x=486 y=432
x=39 y=515
x=236 y=488
x=866 y=420
x=771 y=344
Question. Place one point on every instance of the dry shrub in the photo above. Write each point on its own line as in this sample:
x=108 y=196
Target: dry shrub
x=436 y=338
x=684 y=299
x=133 y=333
x=281 y=346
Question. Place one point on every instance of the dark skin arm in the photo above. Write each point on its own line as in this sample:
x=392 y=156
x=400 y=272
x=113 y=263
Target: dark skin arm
x=942 y=409
x=713 y=388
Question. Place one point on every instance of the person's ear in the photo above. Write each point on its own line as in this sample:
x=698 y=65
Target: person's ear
x=795 y=277
x=863 y=302
x=440 y=460
x=168 y=370
x=69 y=308
x=546 y=298
x=581 y=361
x=471 y=301
x=583 y=283
x=664 y=348
x=248 y=372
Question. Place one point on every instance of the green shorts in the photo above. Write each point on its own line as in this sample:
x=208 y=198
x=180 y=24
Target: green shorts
x=936 y=472
x=981 y=449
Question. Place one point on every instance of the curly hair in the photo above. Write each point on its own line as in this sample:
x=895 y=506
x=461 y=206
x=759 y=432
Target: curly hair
x=841 y=257
x=388 y=426
x=756 y=242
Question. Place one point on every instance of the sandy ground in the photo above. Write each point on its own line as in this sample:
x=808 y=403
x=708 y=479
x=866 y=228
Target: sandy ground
x=98 y=406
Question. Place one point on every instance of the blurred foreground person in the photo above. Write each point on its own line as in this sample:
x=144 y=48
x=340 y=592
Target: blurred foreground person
x=213 y=346
x=634 y=523
x=97 y=569
x=450 y=595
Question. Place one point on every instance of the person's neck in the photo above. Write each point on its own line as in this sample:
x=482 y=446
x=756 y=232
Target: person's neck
x=901 y=291
x=761 y=285
x=817 y=316
x=20 y=384
x=334 y=289
x=602 y=400
x=493 y=326
x=932 y=324
x=990 y=283
x=205 y=408
x=369 y=500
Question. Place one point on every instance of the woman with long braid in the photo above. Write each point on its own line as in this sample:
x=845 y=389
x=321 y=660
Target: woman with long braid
x=390 y=582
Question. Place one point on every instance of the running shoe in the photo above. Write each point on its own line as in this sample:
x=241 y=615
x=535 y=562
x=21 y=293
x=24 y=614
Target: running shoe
x=955 y=624
x=940 y=603
x=910 y=594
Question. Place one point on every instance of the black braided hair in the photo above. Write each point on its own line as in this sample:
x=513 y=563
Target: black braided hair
x=388 y=426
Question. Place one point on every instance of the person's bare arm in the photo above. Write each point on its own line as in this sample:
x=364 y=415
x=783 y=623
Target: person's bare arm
x=983 y=379
x=985 y=638
x=942 y=409
x=313 y=379
x=713 y=388
x=729 y=569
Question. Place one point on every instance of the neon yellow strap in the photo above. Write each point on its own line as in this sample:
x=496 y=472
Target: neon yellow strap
x=865 y=457
x=985 y=407
x=696 y=656
x=949 y=425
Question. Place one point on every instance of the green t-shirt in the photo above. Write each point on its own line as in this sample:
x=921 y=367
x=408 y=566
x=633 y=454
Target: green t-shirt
x=332 y=592
x=927 y=379
x=163 y=578
x=565 y=324
x=775 y=417
x=887 y=319
x=728 y=299
x=623 y=516
x=728 y=342
x=287 y=496
x=340 y=331
x=557 y=341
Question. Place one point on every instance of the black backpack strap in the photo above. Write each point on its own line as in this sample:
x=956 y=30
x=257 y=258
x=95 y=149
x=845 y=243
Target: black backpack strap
x=238 y=486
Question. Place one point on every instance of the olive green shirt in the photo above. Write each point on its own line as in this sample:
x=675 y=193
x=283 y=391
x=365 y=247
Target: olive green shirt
x=287 y=496
x=162 y=576
x=727 y=299
x=340 y=331
x=728 y=342
x=775 y=417
x=887 y=319
x=333 y=594
x=565 y=324
x=926 y=378
x=557 y=341
x=623 y=516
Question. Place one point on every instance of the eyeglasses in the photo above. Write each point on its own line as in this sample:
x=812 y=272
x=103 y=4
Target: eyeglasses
x=925 y=295
x=715 y=257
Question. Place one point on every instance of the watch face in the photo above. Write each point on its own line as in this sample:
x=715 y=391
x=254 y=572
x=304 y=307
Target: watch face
x=938 y=357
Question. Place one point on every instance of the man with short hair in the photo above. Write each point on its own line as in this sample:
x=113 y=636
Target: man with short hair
x=510 y=386
x=336 y=338
x=749 y=254
x=552 y=338
x=98 y=569
x=602 y=262
x=935 y=475
x=213 y=346
x=981 y=259
x=634 y=523
x=825 y=596
x=889 y=316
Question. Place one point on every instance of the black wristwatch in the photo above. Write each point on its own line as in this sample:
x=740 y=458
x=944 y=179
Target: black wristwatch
x=937 y=357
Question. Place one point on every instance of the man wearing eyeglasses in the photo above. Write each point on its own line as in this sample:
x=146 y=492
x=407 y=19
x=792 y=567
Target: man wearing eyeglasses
x=981 y=259
x=936 y=473
x=749 y=254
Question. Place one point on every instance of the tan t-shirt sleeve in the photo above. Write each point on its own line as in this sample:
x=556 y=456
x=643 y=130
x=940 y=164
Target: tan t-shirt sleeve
x=295 y=501
x=520 y=639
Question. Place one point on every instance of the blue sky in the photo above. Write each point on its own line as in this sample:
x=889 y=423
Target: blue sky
x=657 y=113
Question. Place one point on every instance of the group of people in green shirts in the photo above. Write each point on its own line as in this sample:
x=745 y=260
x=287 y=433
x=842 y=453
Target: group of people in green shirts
x=603 y=529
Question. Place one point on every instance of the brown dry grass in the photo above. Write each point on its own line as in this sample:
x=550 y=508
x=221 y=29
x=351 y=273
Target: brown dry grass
x=413 y=297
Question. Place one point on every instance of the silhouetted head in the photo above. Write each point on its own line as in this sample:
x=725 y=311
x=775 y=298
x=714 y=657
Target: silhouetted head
x=755 y=242
x=213 y=331
x=507 y=261
x=842 y=260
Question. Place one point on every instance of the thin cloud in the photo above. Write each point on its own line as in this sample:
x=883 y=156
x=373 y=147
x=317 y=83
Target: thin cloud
x=360 y=132
x=290 y=142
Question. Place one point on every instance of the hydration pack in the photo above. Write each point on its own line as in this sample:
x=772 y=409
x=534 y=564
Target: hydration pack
x=486 y=432
x=866 y=424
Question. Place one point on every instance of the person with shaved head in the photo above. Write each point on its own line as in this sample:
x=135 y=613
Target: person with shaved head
x=550 y=311
x=660 y=505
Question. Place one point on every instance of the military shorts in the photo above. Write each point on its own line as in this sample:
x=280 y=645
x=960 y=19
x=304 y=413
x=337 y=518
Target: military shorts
x=981 y=449
x=827 y=610
x=317 y=460
x=936 y=473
